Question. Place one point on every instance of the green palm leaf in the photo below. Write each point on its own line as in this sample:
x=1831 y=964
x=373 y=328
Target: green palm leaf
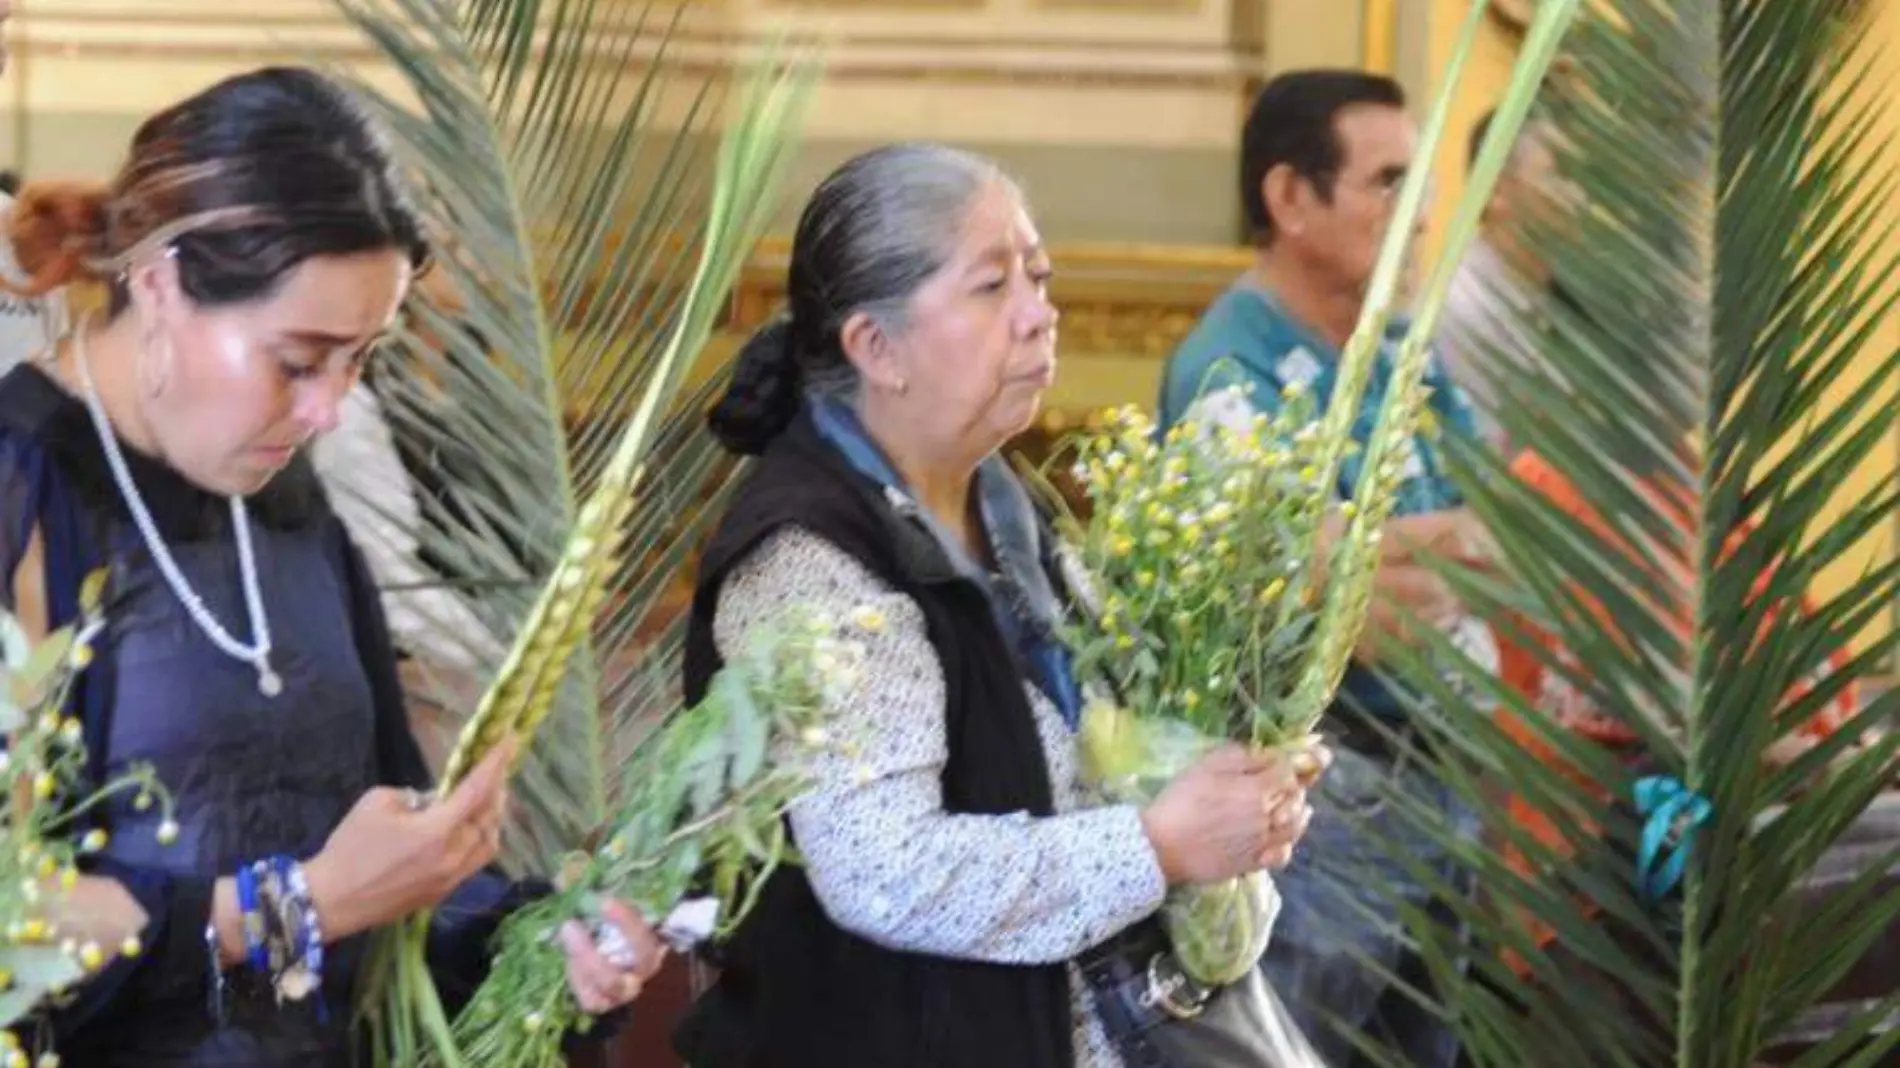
x=1720 y=385
x=567 y=162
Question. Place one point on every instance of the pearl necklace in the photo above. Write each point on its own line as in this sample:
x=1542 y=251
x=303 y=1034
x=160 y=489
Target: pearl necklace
x=257 y=654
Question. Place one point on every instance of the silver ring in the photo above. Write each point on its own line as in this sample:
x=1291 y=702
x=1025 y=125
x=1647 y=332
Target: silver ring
x=415 y=799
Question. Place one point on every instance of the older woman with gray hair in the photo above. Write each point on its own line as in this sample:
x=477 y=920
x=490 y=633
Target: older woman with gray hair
x=961 y=903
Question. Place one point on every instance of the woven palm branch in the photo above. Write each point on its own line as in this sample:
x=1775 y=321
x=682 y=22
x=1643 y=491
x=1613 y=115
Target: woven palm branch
x=567 y=160
x=1708 y=394
x=592 y=219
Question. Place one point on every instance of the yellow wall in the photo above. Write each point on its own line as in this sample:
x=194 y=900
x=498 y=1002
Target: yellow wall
x=1485 y=80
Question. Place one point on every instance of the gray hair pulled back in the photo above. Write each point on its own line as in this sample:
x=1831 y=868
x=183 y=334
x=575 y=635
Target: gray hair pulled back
x=872 y=233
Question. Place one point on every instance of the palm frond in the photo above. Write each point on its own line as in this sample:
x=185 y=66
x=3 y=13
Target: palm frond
x=566 y=158
x=1721 y=387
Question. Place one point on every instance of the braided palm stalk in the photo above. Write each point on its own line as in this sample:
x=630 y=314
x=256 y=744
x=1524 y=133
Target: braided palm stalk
x=1349 y=591
x=403 y=1010
x=522 y=693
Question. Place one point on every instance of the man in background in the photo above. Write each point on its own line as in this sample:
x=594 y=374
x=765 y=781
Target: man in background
x=1324 y=154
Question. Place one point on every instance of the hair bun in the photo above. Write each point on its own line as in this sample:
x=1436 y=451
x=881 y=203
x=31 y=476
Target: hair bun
x=58 y=234
x=762 y=395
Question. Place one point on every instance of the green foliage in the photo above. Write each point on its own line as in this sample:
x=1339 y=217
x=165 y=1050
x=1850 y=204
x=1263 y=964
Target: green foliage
x=1708 y=392
x=704 y=810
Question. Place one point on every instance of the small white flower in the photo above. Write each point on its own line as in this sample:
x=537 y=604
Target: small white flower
x=532 y=1022
x=814 y=736
x=168 y=832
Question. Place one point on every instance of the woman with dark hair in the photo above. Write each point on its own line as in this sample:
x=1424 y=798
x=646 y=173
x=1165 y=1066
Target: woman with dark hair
x=960 y=904
x=256 y=244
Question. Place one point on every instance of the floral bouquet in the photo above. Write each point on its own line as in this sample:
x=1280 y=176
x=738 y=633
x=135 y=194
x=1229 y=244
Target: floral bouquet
x=42 y=769
x=1200 y=615
x=1197 y=555
x=703 y=809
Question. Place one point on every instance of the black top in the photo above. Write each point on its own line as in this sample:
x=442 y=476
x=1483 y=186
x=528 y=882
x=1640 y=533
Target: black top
x=251 y=775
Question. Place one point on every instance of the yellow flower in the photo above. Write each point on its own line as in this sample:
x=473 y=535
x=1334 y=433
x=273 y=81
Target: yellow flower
x=1125 y=641
x=1191 y=533
x=1348 y=509
x=43 y=785
x=8 y=1040
x=868 y=618
x=48 y=867
x=1191 y=699
x=91 y=957
x=93 y=842
x=47 y=1060
x=142 y=802
x=1160 y=536
x=1272 y=590
x=68 y=878
x=131 y=947
x=1223 y=547
x=168 y=832
x=1145 y=579
x=1122 y=545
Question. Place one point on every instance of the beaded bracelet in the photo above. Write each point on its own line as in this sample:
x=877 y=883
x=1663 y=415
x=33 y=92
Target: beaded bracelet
x=298 y=970
x=283 y=935
x=250 y=906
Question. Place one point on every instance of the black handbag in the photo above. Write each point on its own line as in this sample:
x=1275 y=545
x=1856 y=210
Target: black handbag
x=1158 y=1017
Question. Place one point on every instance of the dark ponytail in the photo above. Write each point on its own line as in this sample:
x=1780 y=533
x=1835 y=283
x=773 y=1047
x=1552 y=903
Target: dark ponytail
x=762 y=395
x=873 y=232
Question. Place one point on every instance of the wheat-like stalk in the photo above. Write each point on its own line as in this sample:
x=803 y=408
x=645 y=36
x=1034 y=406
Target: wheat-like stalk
x=522 y=693
x=1357 y=556
x=403 y=1009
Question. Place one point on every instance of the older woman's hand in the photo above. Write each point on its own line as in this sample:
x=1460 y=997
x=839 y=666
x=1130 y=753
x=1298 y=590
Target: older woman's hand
x=1236 y=811
x=607 y=974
